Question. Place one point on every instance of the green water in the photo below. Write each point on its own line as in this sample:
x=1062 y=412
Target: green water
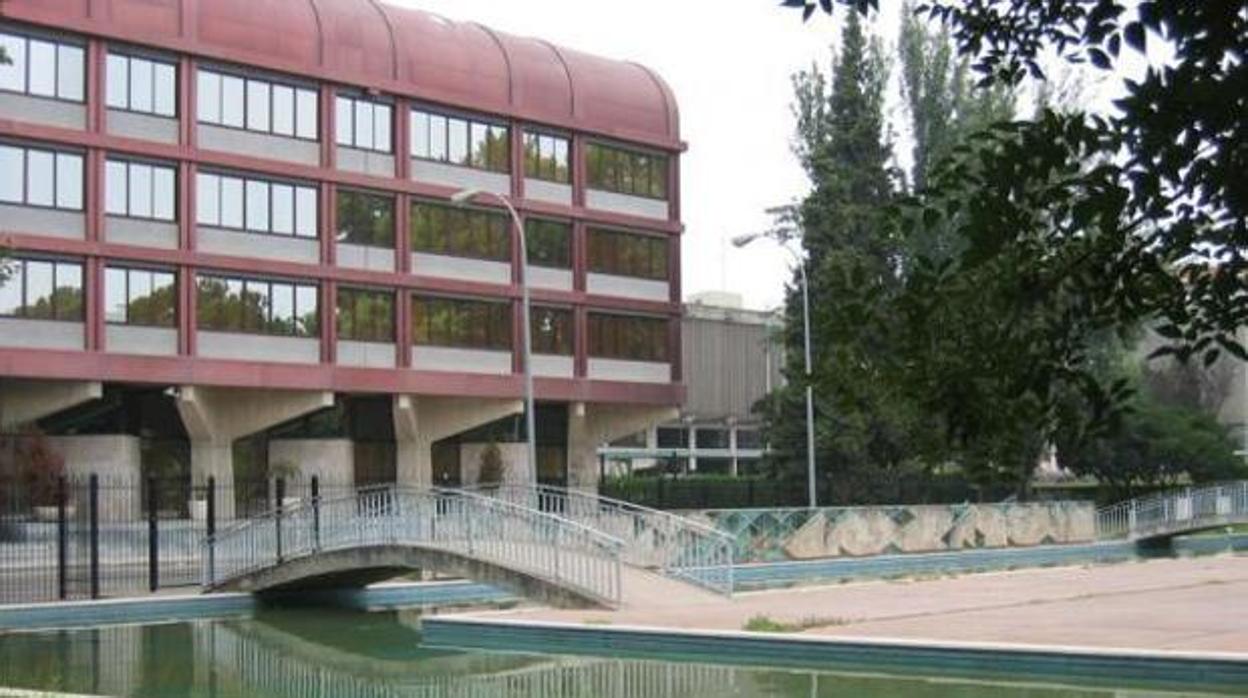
x=315 y=653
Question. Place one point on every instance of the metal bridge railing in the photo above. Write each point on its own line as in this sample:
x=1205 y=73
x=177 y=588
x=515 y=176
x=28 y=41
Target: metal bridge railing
x=527 y=540
x=676 y=546
x=1173 y=512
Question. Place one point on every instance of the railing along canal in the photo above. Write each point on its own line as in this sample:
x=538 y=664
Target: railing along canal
x=1174 y=512
x=676 y=546
x=541 y=545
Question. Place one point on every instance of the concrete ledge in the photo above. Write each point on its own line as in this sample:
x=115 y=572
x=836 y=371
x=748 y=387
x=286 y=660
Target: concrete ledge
x=1113 y=667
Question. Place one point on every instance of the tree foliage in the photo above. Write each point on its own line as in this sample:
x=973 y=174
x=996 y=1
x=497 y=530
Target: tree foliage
x=1071 y=224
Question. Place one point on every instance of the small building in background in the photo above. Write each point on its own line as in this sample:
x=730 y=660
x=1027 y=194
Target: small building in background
x=733 y=358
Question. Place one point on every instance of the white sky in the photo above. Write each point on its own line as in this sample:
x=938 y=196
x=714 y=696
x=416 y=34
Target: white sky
x=730 y=65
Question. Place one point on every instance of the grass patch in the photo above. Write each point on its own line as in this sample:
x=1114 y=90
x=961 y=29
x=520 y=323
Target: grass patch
x=766 y=624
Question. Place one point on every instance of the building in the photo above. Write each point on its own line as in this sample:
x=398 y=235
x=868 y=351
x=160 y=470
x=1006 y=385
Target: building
x=232 y=245
x=733 y=357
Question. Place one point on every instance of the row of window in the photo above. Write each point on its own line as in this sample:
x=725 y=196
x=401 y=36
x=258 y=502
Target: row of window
x=53 y=290
x=40 y=177
x=56 y=69
x=255 y=205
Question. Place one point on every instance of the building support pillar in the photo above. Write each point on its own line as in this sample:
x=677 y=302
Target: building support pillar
x=592 y=425
x=420 y=421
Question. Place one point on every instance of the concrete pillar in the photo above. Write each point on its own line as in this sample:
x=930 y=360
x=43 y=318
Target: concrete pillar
x=215 y=417
x=24 y=401
x=331 y=461
x=734 y=469
x=591 y=425
x=693 y=449
x=419 y=421
x=117 y=459
x=515 y=463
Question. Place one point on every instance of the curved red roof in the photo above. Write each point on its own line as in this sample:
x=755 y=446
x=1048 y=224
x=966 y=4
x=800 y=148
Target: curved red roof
x=394 y=49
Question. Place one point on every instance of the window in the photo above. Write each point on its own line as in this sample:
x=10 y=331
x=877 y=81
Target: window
x=43 y=68
x=469 y=324
x=42 y=290
x=627 y=337
x=749 y=439
x=549 y=243
x=142 y=85
x=552 y=331
x=363 y=124
x=628 y=254
x=140 y=190
x=672 y=437
x=140 y=297
x=546 y=157
x=460 y=141
x=255 y=205
x=365 y=219
x=227 y=304
x=256 y=105
x=460 y=232
x=38 y=177
x=365 y=316
x=626 y=171
x=712 y=438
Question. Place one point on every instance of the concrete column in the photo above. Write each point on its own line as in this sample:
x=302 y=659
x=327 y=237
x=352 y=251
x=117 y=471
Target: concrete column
x=693 y=449
x=24 y=401
x=117 y=460
x=732 y=448
x=591 y=425
x=419 y=421
x=215 y=417
x=332 y=461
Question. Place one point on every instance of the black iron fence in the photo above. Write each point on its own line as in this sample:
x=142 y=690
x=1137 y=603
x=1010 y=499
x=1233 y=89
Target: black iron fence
x=98 y=536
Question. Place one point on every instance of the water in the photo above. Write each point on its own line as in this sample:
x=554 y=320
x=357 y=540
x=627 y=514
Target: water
x=319 y=653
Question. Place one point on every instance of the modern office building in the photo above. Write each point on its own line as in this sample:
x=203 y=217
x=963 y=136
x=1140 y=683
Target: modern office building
x=231 y=241
x=733 y=357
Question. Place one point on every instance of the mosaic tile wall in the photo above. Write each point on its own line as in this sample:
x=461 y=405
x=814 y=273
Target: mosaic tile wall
x=769 y=535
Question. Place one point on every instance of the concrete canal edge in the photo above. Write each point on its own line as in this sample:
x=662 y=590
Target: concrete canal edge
x=1087 y=666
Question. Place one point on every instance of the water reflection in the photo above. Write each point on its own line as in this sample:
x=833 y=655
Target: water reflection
x=339 y=654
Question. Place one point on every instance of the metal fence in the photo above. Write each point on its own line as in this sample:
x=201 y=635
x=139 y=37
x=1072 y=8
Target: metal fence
x=96 y=536
x=515 y=537
x=1167 y=513
x=676 y=546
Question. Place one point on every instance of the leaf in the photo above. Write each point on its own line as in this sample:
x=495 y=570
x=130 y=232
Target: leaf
x=1099 y=59
x=1136 y=37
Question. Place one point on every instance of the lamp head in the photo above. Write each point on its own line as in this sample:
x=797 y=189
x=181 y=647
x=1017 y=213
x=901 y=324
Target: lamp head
x=743 y=240
x=463 y=196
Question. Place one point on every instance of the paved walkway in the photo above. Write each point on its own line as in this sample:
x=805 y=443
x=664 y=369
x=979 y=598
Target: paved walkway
x=1198 y=604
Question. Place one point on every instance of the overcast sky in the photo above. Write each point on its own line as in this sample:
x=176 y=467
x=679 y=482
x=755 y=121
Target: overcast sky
x=731 y=71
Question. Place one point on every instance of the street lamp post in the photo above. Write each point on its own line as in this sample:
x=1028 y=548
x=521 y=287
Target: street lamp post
x=462 y=198
x=742 y=241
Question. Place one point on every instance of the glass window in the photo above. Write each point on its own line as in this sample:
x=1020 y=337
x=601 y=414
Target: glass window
x=43 y=290
x=438 y=138
x=12 y=165
x=627 y=171
x=283 y=110
x=258 y=103
x=549 y=243
x=207 y=199
x=458 y=232
x=628 y=254
x=470 y=324
x=208 y=97
x=546 y=157
x=257 y=205
x=363 y=124
x=13 y=75
x=140 y=190
x=283 y=209
x=227 y=304
x=165 y=101
x=163 y=193
x=365 y=316
x=421 y=146
x=628 y=337
x=233 y=105
x=142 y=91
x=365 y=219
x=140 y=297
x=457 y=136
x=306 y=111
x=42 y=68
x=344 y=117
x=382 y=127
x=305 y=212
x=70 y=72
x=68 y=181
x=552 y=331
x=40 y=177
x=231 y=202
x=118 y=75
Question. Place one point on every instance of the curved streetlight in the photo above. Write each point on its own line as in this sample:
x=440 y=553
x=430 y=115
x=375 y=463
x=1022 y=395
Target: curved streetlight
x=781 y=237
x=463 y=198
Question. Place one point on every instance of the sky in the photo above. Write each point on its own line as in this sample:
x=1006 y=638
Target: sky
x=730 y=65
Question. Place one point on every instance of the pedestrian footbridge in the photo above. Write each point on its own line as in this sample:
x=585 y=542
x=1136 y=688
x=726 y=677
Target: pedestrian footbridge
x=559 y=546
x=1167 y=514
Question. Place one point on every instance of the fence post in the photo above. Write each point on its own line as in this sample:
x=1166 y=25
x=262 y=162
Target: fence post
x=277 y=516
x=93 y=508
x=316 y=512
x=211 y=531
x=153 y=545
x=62 y=538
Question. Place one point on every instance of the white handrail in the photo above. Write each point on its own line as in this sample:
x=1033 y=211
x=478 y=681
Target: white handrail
x=1177 y=511
x=562 y=552
x=676 y=546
